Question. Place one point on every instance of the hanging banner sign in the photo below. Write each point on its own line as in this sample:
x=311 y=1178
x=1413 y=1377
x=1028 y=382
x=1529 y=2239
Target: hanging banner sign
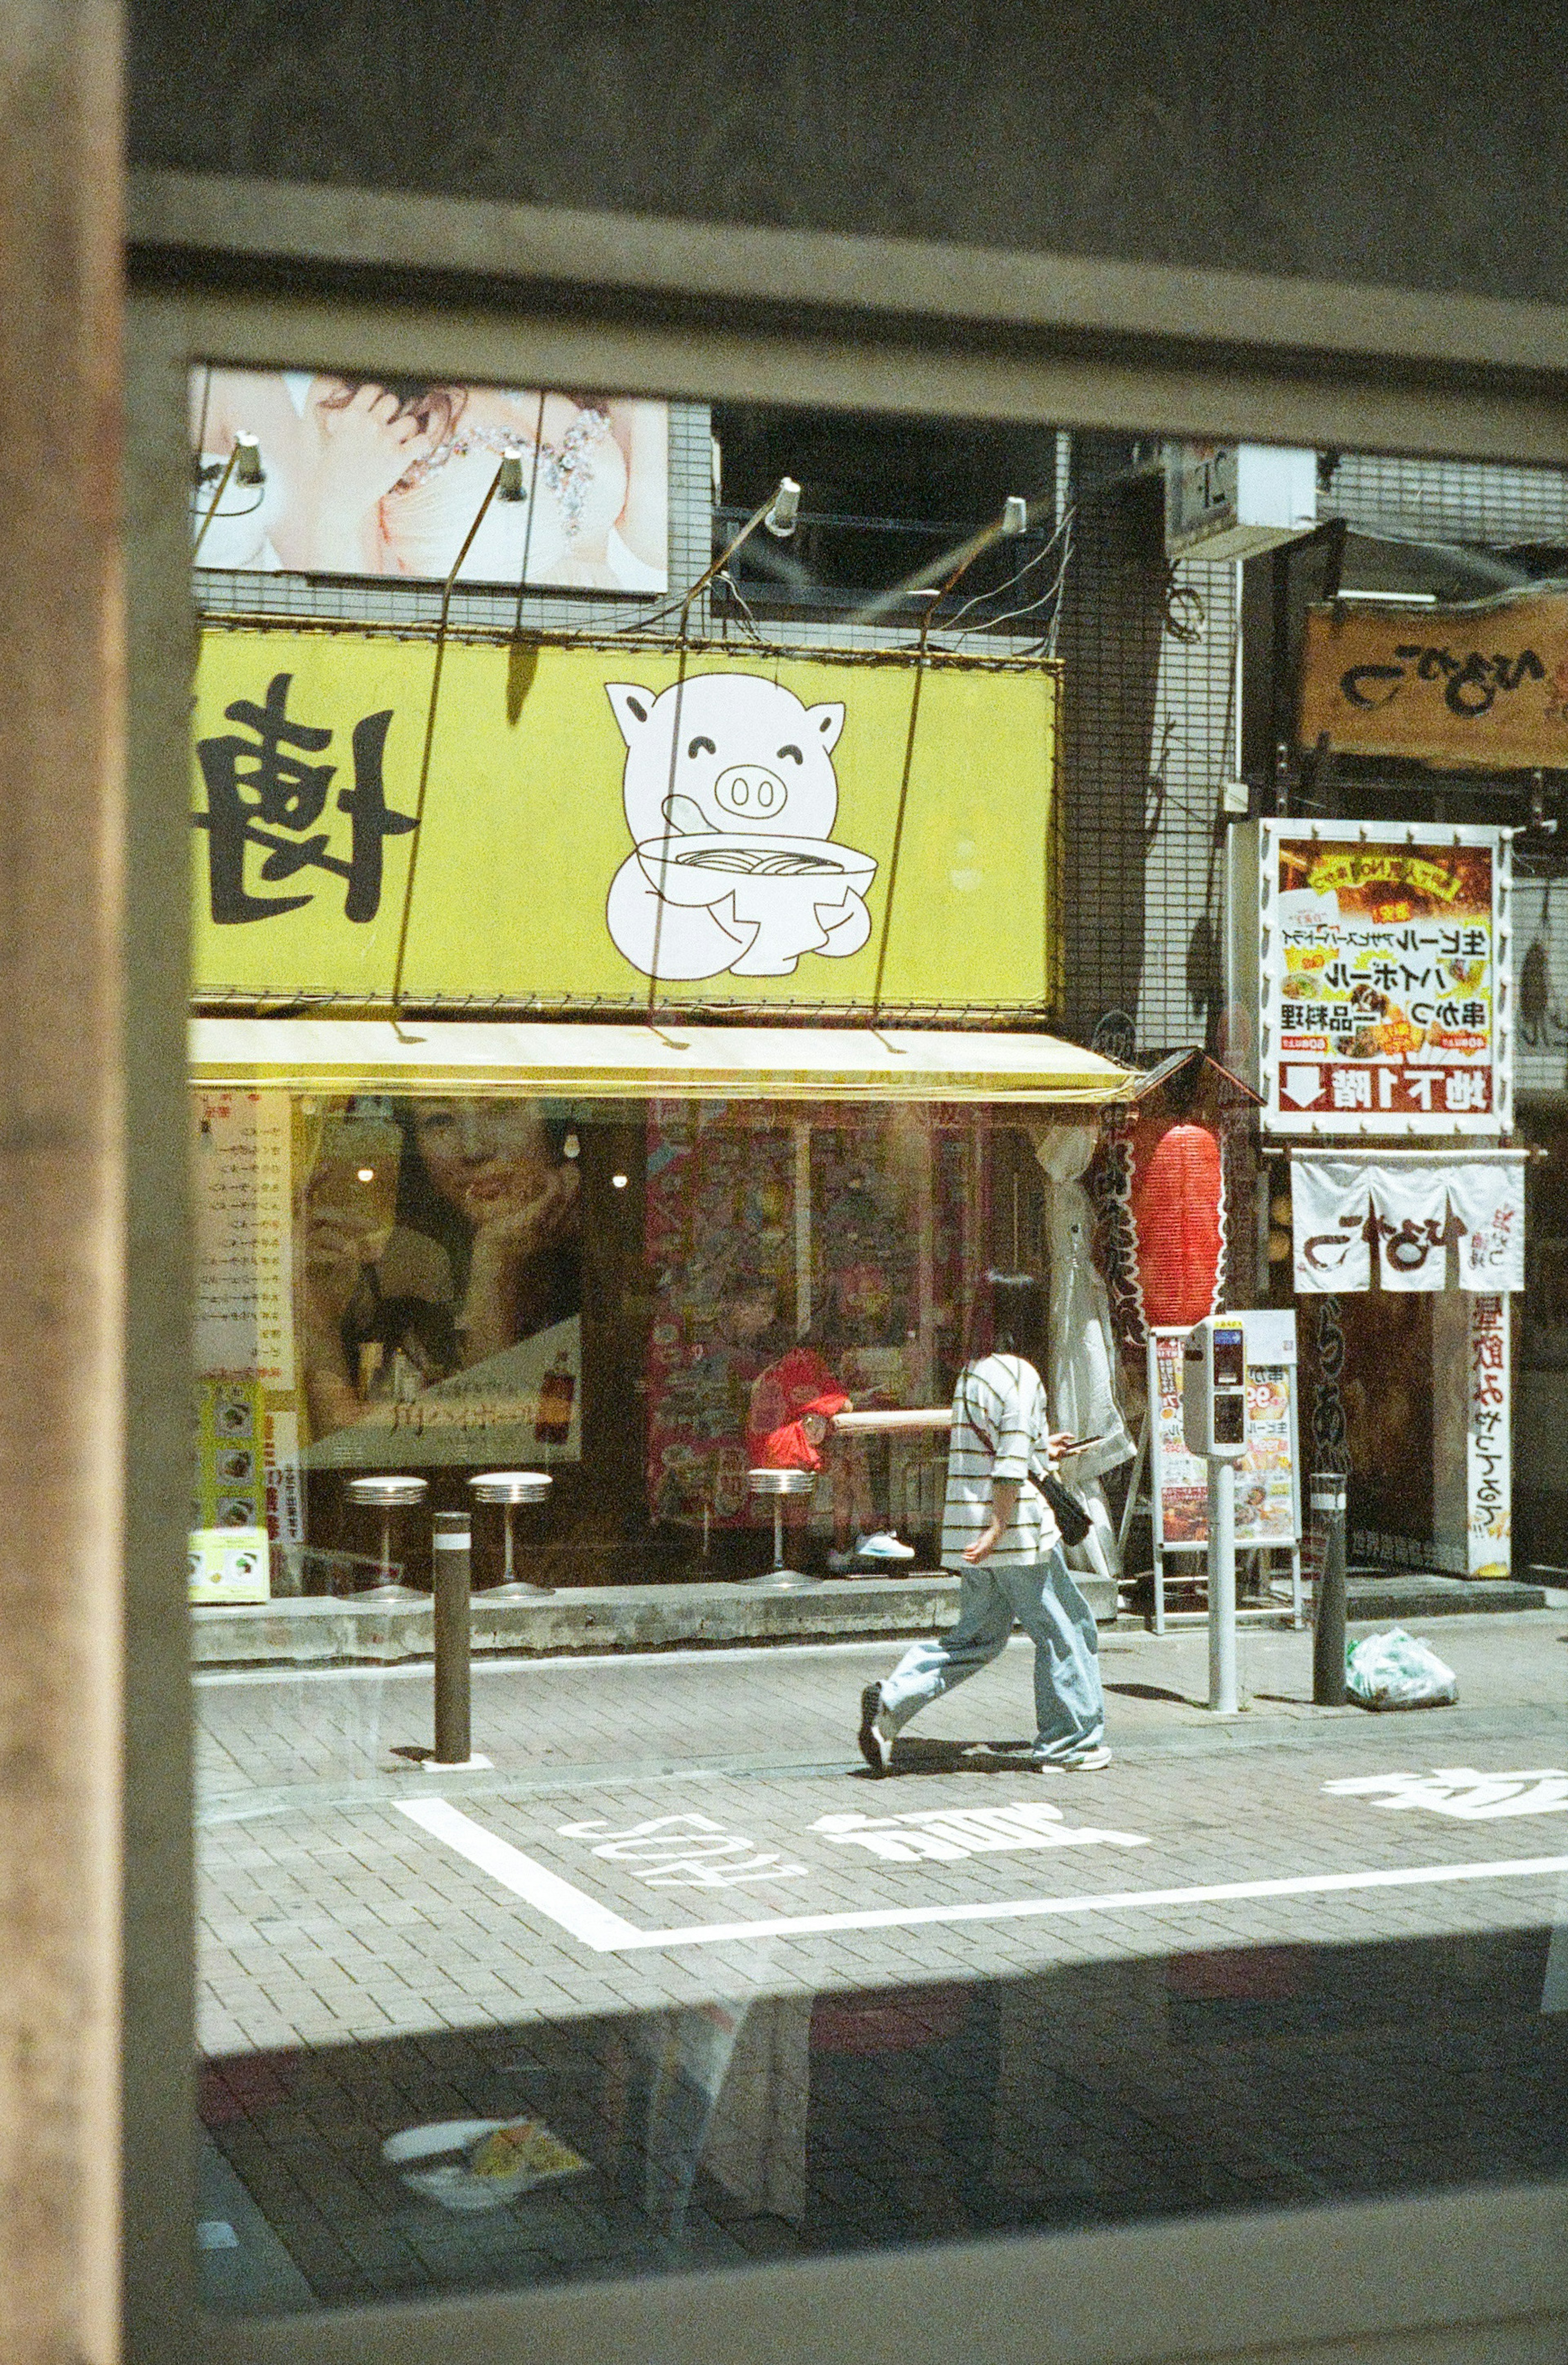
x=1384 y=978
x=1482 y=686
x=1412 y=1211
x=595 y=817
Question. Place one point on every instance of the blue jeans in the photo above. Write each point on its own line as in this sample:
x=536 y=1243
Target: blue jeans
x=1069 y=1705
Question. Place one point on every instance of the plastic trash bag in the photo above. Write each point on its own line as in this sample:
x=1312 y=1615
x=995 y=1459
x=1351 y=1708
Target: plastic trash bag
x=1398 y=1670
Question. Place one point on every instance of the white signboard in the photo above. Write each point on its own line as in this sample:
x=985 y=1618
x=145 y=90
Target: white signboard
x=228 y=1566
x=1380 y=958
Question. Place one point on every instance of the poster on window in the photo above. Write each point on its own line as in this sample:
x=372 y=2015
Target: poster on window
x=1384 y=978
x=1267 y=1493
x=437 y=1284
x=314 y=473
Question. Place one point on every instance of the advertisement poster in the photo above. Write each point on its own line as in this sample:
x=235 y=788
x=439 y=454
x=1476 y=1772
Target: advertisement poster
x=364 y=477
x=555 y=858
x=244 y=1321
x=1484 y=685
x=438 y=1283
x=1382 y=981
x=1267 y=1490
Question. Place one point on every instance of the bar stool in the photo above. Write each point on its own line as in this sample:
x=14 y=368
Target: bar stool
x=389 y=1495
x=778 y=1486
x=509 y=1487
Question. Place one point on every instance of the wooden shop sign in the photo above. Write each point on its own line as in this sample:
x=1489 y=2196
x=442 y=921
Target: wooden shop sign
x=1481 y=687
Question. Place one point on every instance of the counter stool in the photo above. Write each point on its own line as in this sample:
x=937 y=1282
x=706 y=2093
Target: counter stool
x=776 y=1485
x=509 y=1487
x=386 y=1495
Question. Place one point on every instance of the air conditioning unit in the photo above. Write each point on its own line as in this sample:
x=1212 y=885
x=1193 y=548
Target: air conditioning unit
x=1236 y=500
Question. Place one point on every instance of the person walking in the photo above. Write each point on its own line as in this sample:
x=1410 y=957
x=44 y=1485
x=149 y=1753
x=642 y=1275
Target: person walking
x=999 y=1533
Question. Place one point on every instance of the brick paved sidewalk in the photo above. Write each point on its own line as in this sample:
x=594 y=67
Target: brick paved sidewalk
x=364 y=1971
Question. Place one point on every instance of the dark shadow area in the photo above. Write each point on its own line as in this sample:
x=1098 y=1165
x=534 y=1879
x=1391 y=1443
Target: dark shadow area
x=1095 y=2094
x=1154 y=1691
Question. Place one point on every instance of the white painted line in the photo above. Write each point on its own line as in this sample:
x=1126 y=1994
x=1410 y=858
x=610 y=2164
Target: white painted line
x=611 y=1934
x=538 y=1886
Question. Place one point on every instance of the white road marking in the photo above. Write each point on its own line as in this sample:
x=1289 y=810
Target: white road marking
x=953 y=1834
x=1460 y=1791
x=608 y=1933
x=534 y=1883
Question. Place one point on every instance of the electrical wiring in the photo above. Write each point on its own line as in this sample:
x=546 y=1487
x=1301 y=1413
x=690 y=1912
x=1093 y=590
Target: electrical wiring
x=1001 y=590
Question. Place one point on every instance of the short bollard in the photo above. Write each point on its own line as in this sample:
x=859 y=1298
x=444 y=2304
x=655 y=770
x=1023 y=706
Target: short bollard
x=453 y=1737
x=1328 y=1620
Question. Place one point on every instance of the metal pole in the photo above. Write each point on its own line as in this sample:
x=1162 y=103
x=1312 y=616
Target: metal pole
x=779 y=1531
x=1329 y=1605
x=1222 y=1587
x=453 y=1741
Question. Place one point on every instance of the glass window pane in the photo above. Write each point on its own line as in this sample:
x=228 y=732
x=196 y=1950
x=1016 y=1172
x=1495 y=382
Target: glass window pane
x=712 y=1096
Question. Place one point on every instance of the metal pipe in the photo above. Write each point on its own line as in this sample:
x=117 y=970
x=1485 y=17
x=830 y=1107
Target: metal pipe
x=1328 y=1597
x=453 y=1543
x=1222 y=1587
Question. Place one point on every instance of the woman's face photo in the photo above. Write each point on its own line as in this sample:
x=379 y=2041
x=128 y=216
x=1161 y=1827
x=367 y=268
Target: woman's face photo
x=483 y=1156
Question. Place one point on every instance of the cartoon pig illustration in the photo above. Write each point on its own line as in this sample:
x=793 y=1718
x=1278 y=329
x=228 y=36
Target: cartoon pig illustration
x=731 y=798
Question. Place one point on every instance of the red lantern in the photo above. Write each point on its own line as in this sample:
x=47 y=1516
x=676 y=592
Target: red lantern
x=1176 y=1202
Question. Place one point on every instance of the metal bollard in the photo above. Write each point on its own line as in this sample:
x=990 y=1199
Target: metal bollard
x=452 y=1540
x=1329 y=1608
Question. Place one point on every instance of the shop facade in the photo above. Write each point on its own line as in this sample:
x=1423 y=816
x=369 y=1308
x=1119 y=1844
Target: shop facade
x=532 y=1124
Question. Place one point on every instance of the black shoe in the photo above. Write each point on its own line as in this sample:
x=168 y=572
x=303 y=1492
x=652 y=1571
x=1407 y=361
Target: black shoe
x=876 y=1747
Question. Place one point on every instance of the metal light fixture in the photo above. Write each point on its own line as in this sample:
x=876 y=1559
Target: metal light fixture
x=783 y=509
x=510 y=485
x=248 y=469
x=1014 y=514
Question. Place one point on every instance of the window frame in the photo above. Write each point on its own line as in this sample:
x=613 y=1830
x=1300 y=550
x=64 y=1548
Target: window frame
x=248 y=274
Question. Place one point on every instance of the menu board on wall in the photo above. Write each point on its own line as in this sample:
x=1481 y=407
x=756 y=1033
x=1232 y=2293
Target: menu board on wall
x=1380 y=960
x=1268 y=1484
x=244 y=1317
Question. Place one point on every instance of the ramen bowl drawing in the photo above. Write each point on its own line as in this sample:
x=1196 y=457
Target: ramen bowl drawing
x=796 y=893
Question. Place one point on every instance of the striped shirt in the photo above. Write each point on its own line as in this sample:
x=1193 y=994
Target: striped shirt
x=1000 y=1425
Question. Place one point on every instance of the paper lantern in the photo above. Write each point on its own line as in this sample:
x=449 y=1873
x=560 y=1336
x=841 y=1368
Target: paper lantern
x=1176 y=1201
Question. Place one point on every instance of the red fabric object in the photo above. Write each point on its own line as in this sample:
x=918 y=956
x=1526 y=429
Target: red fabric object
x=1177 y=1202
x=798 y=1384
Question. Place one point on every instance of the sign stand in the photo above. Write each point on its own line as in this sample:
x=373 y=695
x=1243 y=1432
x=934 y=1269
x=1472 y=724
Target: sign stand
x=1268 y=1521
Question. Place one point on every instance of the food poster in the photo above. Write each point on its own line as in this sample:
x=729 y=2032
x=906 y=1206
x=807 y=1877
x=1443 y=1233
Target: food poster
x=784 y=1245
x=1381 y=979
x=438 y=1287
x=247 y=1474
x=231 y=1473
x=1267 y=1489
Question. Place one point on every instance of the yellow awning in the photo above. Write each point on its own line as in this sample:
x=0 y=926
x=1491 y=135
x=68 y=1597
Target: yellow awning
x=630 y=1062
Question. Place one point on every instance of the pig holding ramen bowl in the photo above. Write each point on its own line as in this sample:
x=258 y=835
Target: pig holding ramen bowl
x=731 y=798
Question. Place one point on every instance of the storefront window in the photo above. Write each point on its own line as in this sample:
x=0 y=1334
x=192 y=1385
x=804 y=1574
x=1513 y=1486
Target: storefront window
x=632 y=1297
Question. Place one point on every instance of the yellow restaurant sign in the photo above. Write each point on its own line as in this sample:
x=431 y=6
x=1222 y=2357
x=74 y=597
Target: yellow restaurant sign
x=592 y=820
x=1483 y=686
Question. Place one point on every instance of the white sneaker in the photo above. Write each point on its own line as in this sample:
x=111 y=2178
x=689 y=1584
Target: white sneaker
x=876 y=1741
x=1082 y=1761
x=884 y=1546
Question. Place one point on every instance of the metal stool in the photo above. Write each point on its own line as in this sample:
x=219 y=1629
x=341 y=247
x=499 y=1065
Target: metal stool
x=776 y=1484
x=386 y=1495
x=509 y=1487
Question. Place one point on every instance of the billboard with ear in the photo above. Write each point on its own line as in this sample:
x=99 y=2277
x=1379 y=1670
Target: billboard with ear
x=599 y=820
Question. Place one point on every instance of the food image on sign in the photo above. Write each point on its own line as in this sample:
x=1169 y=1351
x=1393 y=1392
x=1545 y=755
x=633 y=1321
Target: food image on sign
x=1383 y=1001
x=1265 y=1485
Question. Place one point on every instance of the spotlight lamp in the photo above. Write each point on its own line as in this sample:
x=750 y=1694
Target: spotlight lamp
x=510 y=487
x=783 y=509
x=248 y=469
x=1014 y=514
